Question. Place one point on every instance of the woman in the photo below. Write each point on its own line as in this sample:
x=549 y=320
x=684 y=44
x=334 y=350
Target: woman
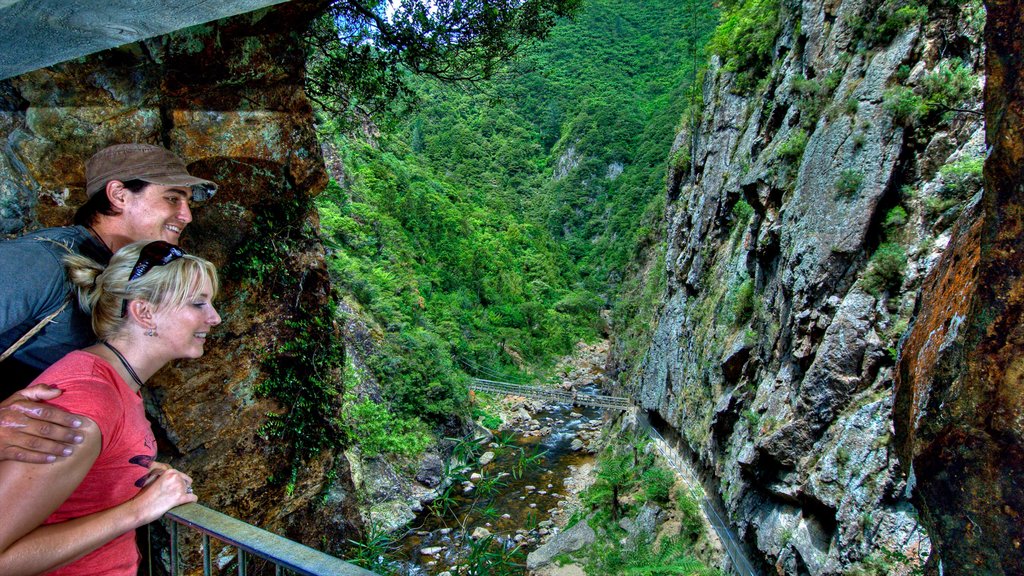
x=151 y=305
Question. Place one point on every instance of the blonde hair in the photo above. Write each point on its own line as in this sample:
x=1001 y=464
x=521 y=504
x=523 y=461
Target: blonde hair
x=102 y=290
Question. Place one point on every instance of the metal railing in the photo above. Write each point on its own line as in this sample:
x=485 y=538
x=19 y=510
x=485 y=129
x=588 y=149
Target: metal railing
x=597 y=400
x=287 y=556
x=740 y=563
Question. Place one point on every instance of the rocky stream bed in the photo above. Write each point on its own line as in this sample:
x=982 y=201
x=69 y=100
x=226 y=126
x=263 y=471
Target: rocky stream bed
x=495 y=497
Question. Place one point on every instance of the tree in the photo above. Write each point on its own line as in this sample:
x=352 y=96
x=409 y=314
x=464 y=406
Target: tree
x=361 y=51
x=614 y=476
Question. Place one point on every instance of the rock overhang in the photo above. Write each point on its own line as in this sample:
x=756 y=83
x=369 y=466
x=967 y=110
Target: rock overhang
x=35 y=34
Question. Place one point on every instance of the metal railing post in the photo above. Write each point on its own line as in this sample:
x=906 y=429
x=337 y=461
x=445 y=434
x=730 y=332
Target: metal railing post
x=174 y=550
x=207 y=567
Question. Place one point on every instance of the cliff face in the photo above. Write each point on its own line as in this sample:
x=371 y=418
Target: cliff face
x=228 y=98
x=801 y=222
x=959 y=413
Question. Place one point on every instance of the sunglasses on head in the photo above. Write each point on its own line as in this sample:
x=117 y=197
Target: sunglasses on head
x=158 y=253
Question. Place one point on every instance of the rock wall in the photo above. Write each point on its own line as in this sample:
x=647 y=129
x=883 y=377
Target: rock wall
x=228 y=98
x=798 y=236
x=959 y=403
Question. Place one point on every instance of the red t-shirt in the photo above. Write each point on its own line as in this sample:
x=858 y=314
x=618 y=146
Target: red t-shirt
x=93 y=389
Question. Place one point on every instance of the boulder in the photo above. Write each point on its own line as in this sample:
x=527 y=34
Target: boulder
x=575 y=538
x=486 y=458
x=430 y=471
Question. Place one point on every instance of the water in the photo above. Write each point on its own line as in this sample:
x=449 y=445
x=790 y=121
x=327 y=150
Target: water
x=522 y=507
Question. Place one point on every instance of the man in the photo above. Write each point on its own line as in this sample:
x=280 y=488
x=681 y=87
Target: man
x=136 y=192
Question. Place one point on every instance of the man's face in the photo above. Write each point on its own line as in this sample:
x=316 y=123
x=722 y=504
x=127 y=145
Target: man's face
x=157 y=213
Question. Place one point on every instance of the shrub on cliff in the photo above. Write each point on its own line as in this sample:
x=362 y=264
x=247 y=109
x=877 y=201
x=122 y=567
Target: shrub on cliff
x=743 y=302
x=886 y=268
x=377 y=430
x=744 y=39
x=947 y=86
x=792 y=148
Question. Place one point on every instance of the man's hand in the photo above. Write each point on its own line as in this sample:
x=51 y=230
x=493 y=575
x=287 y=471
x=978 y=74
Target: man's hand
x=34 y=432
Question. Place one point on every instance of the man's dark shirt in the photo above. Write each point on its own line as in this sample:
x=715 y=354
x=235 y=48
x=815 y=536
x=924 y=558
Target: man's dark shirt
x=33 y=285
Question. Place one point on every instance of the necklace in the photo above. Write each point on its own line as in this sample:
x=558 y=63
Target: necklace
x=102 y=241
x=127 y=366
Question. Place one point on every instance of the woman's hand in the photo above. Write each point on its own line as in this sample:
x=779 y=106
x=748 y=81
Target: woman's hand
x=155 y=470
x=165 y=489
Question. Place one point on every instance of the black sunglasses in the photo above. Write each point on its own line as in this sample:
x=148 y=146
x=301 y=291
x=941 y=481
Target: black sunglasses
x=158 y=253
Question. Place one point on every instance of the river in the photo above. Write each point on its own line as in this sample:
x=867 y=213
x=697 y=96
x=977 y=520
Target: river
x=518 y=506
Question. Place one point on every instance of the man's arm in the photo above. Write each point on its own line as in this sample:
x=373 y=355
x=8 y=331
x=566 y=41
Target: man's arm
x=36 y=433
x=29 y=494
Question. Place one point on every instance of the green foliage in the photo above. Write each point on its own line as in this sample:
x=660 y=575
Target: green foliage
x=622 y=472
x=302 y=376
x=378 y=431
x=452 y=277
x=961 y=179
x=742 y=302
x=849 y=182
x=487 y=419
x=752 y=418
x=792 y=148
x=906 y=106
x=895 y=218
x=277 y=230
x=744 y=39
x=634 y=311
x=372 y=548
x=657 y=484
x=422 y=381
x=899 y=20
x=741 y=213
x=690 y=515
x=453 y=223
x=814 y=95
x=947 y=86
x=842 y=457
x=885 y=562
x=681 y=160
x=615 y=475
x=620 y=79
x=360 y=52
x=670 y=556
x=887 y=21
x=886 y=268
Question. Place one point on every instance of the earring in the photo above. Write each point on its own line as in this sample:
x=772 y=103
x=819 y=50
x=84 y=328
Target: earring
x=151 y=332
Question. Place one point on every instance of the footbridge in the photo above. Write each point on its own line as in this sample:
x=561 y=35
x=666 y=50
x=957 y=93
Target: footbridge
x=552 y=394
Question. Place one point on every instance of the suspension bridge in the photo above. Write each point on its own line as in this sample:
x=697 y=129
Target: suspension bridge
x=551 y=394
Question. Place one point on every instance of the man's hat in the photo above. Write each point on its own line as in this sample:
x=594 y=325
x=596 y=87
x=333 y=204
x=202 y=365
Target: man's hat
x=146 y=162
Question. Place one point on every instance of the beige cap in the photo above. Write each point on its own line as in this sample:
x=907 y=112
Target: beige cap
x=146 y=162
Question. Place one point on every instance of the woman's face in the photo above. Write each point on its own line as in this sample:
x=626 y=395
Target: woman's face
x=185 y=328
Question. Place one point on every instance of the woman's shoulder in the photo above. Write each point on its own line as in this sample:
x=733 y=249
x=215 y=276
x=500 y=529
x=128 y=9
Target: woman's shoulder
x=81 y=373
x=77 y=364
x=89 y=387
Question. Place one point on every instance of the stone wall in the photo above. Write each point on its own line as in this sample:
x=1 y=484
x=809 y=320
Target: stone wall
x=227 y=97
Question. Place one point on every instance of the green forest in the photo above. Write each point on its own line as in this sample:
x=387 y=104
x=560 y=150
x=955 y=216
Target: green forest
x=485 y=228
